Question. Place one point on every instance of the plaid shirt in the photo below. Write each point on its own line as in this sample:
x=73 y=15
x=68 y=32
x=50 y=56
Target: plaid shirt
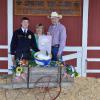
x=58 y=33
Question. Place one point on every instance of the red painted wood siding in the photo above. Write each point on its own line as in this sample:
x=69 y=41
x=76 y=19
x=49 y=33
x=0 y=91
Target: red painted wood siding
x=3 y=32
x=94 y=35
x=94 y=23
x=72 y=23
x=3 y=22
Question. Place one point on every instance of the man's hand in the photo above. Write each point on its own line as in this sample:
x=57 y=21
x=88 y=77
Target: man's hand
x=59 y=57
x=13 y=59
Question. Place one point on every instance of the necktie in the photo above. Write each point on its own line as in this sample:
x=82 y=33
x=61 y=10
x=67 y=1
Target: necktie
x=25 y=32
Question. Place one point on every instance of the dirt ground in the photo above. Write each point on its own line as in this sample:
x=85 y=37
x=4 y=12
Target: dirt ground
x=82 y=89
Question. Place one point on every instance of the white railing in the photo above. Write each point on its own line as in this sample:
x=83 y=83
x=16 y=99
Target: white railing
x=77 y=55
x=3 y=47
x=3 y=58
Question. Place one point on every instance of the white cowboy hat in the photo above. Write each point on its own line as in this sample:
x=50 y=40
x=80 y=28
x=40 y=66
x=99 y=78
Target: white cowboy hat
x=55 y=14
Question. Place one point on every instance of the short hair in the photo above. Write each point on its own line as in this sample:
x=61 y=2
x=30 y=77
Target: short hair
x=25 y=18
x=40 y=25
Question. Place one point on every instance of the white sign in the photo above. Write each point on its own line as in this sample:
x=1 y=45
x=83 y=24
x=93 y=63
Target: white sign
x=45 y=43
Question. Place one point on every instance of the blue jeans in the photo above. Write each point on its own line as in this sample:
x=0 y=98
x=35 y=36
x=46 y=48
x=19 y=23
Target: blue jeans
x=54 y=53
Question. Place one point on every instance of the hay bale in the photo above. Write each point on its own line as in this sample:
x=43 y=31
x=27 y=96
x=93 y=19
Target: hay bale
x=83 y=88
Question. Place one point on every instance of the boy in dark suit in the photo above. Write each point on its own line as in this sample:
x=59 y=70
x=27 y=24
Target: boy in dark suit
x=22 y=42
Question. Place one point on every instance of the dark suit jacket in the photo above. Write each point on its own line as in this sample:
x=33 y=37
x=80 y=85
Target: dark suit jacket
x=21 y=44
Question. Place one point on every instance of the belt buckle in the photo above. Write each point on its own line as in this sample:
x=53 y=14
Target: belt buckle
x=56 y=45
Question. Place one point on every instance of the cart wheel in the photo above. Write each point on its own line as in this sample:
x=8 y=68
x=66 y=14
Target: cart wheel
x=47 y=88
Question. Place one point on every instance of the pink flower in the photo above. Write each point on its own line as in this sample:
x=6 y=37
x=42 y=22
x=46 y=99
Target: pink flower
x=24 y=76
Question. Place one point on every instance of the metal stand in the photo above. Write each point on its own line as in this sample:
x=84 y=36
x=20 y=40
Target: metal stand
x=28 y=77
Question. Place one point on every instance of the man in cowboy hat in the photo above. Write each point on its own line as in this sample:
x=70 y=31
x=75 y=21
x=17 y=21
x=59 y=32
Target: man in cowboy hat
x=58 y=33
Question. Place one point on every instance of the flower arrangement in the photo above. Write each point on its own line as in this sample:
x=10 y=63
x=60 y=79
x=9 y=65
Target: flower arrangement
x=22 y=63
x=17 y=70
x=70 y=71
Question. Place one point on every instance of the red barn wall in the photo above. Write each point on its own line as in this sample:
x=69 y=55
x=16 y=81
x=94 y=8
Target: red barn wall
x=94 y=34
x=3 y=32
